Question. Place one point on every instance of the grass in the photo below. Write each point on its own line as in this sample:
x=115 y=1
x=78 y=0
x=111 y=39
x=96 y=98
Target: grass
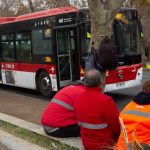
x=35 y=138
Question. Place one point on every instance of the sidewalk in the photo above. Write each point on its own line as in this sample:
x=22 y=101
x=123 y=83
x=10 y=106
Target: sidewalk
x=20 y=115
x=31 y=132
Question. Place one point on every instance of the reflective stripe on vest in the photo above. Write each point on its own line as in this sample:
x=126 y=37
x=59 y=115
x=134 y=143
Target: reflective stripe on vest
x=137 y=113
x=67 y=106
x=93 y=126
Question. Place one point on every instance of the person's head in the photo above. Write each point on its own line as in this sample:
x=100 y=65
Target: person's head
x=146 y=86
x=92 y=47
x=92 y=43
x=92 y=78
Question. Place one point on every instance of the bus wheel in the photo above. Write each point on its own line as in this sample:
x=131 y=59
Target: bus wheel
x=44 y=84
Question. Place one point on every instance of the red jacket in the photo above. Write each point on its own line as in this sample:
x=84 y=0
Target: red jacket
x=98 y=118
x=60 y=111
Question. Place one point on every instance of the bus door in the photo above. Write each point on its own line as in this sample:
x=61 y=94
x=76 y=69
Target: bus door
x=0 y=69
x=0 y=74
x=67 y=56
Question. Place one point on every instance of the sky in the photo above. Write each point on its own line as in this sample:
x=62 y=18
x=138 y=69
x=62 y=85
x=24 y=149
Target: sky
x=25 y=1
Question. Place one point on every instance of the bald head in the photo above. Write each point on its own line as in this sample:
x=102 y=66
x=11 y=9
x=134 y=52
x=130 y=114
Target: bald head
x=92 y=78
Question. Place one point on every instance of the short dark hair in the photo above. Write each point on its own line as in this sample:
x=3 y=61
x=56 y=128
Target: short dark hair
x=92 y=42
x=92 y=78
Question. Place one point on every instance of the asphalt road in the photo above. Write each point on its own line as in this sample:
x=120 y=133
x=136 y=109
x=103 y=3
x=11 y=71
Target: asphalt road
x=21 y=103
x=29 y=105
x=123 y=97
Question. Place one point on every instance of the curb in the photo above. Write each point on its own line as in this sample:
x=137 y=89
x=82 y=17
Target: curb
x=10 y=142
x=27 y=130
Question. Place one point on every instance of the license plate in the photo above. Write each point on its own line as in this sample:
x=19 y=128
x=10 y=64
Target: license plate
x=121 y=84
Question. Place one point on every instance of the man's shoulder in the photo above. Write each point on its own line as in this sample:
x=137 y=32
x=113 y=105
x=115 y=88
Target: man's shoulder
x=107 y=96
x=73 y=89
x=77 y=82
x=96 y=93
x=104 y=96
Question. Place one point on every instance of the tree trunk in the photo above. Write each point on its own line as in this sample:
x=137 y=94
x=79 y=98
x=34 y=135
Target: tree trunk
x=31 y=5
x=102 y=13
x=57 y=3
x=143 y=7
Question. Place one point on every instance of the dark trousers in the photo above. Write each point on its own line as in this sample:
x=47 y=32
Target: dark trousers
x=64 y=132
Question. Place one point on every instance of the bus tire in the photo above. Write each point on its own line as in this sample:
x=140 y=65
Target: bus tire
x=44 y=84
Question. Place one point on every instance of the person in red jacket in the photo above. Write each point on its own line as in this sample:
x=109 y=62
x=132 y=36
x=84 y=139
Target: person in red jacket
x=58 y=119
x=97 y=115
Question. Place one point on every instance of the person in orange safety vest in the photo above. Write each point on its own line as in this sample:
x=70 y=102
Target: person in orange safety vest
x=135 y=122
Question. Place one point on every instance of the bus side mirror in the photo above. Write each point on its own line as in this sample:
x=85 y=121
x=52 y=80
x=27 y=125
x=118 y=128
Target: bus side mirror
x=141 y=35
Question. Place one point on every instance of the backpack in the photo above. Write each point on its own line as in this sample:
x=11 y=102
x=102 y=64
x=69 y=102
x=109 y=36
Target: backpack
x=108 y=54
x=91 y=61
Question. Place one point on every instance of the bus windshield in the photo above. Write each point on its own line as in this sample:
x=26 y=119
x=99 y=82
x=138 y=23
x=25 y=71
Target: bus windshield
x=127 y=38
x=125 y=35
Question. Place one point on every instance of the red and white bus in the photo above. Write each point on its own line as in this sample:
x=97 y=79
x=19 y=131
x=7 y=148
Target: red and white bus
x=127 y=37
x=44 y=50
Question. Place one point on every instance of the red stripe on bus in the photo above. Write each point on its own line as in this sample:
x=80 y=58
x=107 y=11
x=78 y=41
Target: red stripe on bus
x=123 y=73
x=41 y=14
x=50 y=68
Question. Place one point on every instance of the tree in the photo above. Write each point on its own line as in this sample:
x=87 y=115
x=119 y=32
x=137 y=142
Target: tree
x=31 y=5
x=57 y=3
x=79 y=3
x=10 y=8
x=101 y=15
x=21 y=8
x=6 y=8
x=143 y=7
x=37 y=5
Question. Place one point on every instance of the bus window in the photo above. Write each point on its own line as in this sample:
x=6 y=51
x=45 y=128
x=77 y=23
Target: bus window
x=127 y=39
x=62 y=45
x=72 y=44
x=41 y=44
x=0 y=56
x=23 y=47
x=7 y=47
x=85 y=39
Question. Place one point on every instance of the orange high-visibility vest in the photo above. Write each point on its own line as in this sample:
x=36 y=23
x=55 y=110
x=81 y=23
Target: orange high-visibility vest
x=136 y=119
